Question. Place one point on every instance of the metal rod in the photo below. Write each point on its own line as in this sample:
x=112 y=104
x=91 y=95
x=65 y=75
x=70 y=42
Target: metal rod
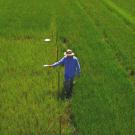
x=57 y=46
x=57 y=60
x=60 y=126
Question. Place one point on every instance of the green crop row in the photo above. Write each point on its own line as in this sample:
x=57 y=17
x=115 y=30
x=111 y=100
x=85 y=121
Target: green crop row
x=29 y=102
x=128 y=6
x=103 y=101
x=103 y=97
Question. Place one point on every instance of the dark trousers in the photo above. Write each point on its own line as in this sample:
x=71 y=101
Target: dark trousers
x=68 y=86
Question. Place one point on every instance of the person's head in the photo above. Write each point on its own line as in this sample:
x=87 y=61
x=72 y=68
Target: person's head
x=69 y=53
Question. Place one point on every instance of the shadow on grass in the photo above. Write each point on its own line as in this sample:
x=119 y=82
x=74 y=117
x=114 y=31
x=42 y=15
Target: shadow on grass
x=63 y=95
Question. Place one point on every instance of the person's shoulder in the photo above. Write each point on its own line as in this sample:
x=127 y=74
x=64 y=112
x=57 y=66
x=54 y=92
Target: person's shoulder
x=64 y=57
x=75 y=58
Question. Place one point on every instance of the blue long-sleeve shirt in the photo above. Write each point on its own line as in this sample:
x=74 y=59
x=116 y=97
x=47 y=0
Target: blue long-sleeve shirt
x=72 y=66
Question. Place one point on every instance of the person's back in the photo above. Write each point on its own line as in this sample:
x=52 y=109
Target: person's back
x=72 y=67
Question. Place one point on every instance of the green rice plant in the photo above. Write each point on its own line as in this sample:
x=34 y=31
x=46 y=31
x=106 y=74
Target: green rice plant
x=29 y=92
x=126 y=5
x=103 y=101
x=103 y=97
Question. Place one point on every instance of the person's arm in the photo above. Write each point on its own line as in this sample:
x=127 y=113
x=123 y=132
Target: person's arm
x=60 y=62
x=78 y=67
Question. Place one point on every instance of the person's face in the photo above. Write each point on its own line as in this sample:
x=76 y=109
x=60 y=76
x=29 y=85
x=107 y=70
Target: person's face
x=69 y=56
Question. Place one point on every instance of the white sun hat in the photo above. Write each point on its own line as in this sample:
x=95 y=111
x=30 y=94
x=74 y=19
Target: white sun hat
x=69 y=53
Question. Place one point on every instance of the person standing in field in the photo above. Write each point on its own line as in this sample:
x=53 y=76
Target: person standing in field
x=72 y=69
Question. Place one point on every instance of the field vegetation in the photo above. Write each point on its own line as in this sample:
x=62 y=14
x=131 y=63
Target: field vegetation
x=101 y=33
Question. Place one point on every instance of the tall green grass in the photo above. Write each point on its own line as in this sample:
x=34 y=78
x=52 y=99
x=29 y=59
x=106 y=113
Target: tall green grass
x=126 y=5
x=103 y=98
x=103 y=101
x=29 y=101
x=29 y=93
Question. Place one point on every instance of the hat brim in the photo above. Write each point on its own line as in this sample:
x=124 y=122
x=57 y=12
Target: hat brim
x=72 y=54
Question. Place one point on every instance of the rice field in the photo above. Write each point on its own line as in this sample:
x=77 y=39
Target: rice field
x=101 y=33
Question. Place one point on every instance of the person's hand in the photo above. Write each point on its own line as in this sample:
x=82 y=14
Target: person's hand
x=47 y=65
